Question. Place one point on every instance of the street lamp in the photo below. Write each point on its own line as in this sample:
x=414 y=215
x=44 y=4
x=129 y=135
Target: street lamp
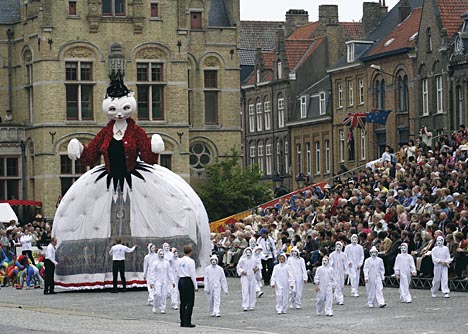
x=378 y=68
x=300 y=179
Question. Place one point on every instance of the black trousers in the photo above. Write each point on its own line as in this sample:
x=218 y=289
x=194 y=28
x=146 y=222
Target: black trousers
x=29 y=254
x=118 y=267
x=49 y=272
x=187 y=300
x=267 y=270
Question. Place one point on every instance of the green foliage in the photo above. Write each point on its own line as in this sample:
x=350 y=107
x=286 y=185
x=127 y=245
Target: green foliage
x=231 y=189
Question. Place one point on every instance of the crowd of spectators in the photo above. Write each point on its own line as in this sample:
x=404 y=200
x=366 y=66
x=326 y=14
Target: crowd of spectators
x=13 y=264
x=409 y=195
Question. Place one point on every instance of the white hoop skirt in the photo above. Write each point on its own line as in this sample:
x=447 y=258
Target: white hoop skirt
x=161 y=208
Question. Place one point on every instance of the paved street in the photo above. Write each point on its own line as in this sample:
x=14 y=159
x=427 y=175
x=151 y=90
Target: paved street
x=28 y=311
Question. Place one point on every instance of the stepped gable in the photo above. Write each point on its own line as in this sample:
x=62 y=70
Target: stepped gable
x=404 y=35
x=450 y=13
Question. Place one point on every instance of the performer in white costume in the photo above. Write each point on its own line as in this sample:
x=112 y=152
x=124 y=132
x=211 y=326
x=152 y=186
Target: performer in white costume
x=299 y=271
x=175 y=291
x=161 y=279
x=374 y=274
x=214 y=281
x=355 y=254
x=137 y=200
x=325 y=281
x=441 y=259
x=258 y=255
x=339 y=262
x=404 y=268
x=147 y=263
x=246 y=269
x=282 y=281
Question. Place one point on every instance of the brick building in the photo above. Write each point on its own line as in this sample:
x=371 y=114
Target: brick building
x=272 y=120
x=376 y=73
x=180 y=58
x=437 y=92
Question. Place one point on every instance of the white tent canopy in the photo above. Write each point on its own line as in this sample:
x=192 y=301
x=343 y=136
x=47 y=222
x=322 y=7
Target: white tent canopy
x=7 y=213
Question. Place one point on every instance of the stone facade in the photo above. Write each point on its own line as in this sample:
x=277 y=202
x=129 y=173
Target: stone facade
x=193 y=45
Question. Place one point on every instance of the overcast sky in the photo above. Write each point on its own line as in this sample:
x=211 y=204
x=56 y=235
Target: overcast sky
x=275 y=10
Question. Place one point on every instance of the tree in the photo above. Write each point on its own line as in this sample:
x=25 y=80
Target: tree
x=231 y=189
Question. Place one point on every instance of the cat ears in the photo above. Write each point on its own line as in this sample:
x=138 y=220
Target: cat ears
x=117 y=87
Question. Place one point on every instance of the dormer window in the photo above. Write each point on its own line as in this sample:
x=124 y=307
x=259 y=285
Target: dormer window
x=350 y=49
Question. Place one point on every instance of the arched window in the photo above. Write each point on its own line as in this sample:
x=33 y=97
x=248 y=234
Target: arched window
x=403 y=93
x=382 y=94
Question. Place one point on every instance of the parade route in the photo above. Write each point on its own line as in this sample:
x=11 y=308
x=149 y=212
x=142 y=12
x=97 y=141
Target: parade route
x=29 y=311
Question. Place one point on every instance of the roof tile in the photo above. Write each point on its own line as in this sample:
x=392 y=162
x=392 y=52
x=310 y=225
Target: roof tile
x=401 y=36
x=450 y=14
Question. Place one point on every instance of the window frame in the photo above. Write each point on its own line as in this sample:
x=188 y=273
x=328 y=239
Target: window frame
x=317 y=158
x=327 y=156
x=259 y=113
x=322 y=104
x=350 y=93
x=251 y=108
x=76 y=82
x=281 y=112
x=425 y=96
x=340 y=95
x=341 y=137
x=361 y=91
x=112 y=6
x=269 y=159
x=439 y=94
x=267 y=112
x=303 y=100
x=150 y=82
x=196 y=24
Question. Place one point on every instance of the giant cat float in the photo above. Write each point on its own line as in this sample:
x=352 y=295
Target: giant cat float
x=139 y=201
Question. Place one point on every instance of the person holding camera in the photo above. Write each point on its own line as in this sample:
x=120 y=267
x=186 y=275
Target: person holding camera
x=269 y=252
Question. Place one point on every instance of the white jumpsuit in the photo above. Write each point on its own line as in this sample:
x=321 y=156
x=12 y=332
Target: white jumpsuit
x=258 y=275
x=404 y=267
x=339 y=262
x=299 y=272
x=325 y=278
x=440 y=254
x=355 y=255
x=147 y=262
x=374 y=274
x=248 y=281
x=161 y=278
x=215 y=280
x=283 y=281
x=175 y=291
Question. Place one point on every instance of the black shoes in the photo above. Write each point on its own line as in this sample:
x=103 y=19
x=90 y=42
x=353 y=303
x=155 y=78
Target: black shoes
x=187 y=325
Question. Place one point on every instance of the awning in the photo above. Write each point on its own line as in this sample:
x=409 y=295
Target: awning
x=14 y=202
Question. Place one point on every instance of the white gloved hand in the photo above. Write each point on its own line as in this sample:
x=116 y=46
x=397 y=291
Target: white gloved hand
x=157 y=144
x=75 y=148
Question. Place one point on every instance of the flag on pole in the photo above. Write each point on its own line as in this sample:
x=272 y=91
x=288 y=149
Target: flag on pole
x=356 y=120
x=379 y=116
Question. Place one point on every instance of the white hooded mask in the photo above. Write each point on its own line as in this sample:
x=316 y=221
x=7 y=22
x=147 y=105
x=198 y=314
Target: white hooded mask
x=440 y=241
x=325 y=261
x=151 y=248
x=374 y=252
x=404 y=248
x=295 y=252
x=354 y=239
x=338 y=246
x=248 y=252
x=161 y=254
x=166 y=247
x=285 y=259
x=214 y=260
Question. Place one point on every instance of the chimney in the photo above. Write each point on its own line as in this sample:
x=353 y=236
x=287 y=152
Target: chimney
x=328 y=14
x=383 y=8
x=405 y=10
x=294 y=19
x=370 y=17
